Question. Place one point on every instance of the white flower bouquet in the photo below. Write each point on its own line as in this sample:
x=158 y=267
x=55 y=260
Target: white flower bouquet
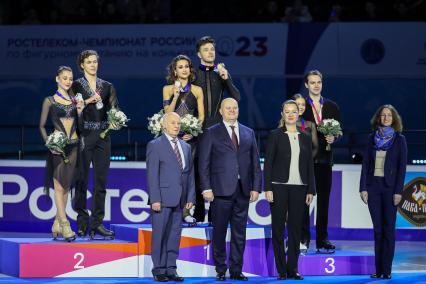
x=189 y=124
x=330 y=127
x=155 y=123
x=56 y=142
x=116 y=120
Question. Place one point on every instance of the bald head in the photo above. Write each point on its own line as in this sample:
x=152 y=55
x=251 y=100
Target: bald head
x=171 y=124
x=229 y=110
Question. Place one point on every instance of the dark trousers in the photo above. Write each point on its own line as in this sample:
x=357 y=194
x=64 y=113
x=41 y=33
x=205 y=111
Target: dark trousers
x=305 y=236
x=323 y=176
x=97 y=151
x=383 y=215
x=287 y=199
x=200 y=209
x=166 y=233
x=233 y=210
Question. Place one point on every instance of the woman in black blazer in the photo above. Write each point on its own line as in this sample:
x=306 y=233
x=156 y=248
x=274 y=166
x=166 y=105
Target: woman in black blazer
x=382 y=182
x=289 y=184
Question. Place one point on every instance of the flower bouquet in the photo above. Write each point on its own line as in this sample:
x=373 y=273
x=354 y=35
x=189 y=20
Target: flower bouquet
x=116 y=120
x=154 y=123
x=330 y=127
x=56 y=142
x=189 y=124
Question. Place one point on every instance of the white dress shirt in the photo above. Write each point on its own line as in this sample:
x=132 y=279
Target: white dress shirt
x=236 y=129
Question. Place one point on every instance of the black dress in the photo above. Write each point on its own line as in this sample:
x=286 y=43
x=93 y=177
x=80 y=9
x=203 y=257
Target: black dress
x=185 y=104
x=56 y=168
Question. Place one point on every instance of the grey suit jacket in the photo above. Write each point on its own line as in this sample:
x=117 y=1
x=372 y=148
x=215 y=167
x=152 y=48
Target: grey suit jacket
x=166 y=182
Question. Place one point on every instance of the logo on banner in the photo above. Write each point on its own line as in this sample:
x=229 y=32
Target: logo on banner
x=225 y=46
x=413 y=203
x=372 y=51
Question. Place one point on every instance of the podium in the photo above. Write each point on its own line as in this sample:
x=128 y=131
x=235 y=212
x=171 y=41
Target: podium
x=42 y=257
x=195 y=254
x=129 y=255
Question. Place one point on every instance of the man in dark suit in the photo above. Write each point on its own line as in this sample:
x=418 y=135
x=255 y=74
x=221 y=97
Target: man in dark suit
x=214 y=81
x=317 y=109
x=171 y=187
x=230 y=178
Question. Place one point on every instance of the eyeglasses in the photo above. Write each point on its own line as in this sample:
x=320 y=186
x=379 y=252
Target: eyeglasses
x=386 y=115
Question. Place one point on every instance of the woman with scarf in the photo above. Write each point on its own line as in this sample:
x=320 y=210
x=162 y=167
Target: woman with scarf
x=382 y=182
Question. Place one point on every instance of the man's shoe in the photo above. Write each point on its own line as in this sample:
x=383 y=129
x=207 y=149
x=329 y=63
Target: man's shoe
x=295 y=276
x=282 y=277
x=175 y=277
x=101 y=230
x=387 y=276
x=82 y=230
x=161 y=278
x=238 y=276
x=220 y=276
x=375 y=275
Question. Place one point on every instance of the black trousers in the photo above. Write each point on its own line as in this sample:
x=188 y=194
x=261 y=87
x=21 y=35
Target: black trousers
x=229 y=210
x=96 y=151
x=287 y=199
x=200 y=209
x=323 y=176
x=383 y=214
x=306 y=220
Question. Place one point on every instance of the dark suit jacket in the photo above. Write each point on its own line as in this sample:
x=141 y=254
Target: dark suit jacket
x=329 y=110
x=395 y=164
x=278 y=157
x=166 y=182
x=220 y=164
x=218 y=86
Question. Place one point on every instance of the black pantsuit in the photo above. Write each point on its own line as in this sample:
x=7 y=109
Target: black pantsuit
x=97 y=151
x=287 y=199
x=229 y=210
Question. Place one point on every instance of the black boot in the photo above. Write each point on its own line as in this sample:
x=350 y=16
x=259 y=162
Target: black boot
x=101 y=230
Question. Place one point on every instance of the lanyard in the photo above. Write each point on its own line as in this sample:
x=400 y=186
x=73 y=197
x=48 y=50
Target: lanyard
x=316 y=113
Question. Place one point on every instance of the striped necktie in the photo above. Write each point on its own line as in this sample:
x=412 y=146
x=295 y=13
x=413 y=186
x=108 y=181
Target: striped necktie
x=177 y=153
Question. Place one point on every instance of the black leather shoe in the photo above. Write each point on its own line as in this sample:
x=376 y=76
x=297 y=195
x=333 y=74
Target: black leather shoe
x=295 y=276
x=161 y=278
x=238 y=276
x=175 y=277
x=101 y=230
x=387 y=276
x=375 y=275
x=282 y=277
x=220 y=276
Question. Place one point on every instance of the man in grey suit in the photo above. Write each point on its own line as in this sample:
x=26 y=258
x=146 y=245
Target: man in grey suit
x=230 y=178
x=171 y=188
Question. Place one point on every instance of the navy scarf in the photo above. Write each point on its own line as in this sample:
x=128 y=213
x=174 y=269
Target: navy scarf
x=383 y=138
